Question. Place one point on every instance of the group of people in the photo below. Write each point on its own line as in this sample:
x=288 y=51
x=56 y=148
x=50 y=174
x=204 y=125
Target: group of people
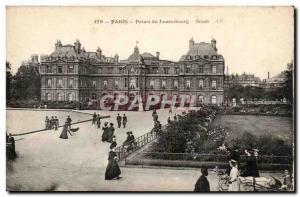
x=96 y=120
x=108 y=132
x=129 y=143
x=52 y=123
x=121 y=119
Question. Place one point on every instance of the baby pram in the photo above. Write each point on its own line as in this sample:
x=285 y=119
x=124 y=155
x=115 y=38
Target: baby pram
x=248 y=184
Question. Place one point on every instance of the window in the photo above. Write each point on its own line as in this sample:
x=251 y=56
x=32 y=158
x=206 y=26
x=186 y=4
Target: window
x=59 y=97
x=99 y=70
x=49 y=83
x=110 y=70
x=163 y=84
x=48 y=97
x=94 y=83
x=70 y=83
x=120 y=70
x=105 y=84
x=151 y=84
x=176 y=71
x=214 y=99
x=175 y=84
x=154 y=70
x=70 y=97
x=94 y=96
x=214 y=69
x=48 y=69
x=201 y=99
x=71 y=69
x=187 y=69
x=213 y=84
x=188 y=83
x=60 y=83
x=166 y=70
x=125 y=82
x=59 y=69
x=116 y=84
x=132 y=84
x=200 y=69
x=201 y=83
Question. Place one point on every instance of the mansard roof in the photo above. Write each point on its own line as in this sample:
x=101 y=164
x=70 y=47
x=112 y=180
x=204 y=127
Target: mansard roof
x=202 y=49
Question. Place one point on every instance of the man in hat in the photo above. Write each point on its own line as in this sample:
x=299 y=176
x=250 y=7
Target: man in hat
x=98 y=121
x=119 y=120
x=202 y=184
x=47 y=123
x=56 y=123
x=105 y=132
x=251 y=165
x=124 y=120
x=94 y=118
x=111 y=131
x=69 y=121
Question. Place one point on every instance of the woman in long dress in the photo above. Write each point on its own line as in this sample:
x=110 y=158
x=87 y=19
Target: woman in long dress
x=105 y=132
x=112 y=170
x=64 y=133
x=234 y=184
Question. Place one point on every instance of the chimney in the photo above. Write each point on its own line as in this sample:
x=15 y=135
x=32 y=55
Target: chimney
x=116 y=58
x=35 y=58
x=268 y=75
x=77 y=46
x=58 y=44
x=99 y=52
x=157 y=55
x=191 y=43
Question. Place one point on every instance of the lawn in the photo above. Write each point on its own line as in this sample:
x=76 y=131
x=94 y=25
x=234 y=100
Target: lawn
x=257 y=125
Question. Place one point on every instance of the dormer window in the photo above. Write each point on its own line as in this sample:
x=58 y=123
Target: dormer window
x=187 y=69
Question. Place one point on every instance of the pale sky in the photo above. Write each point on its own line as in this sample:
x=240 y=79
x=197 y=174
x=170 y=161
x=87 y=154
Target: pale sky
x=251 y=39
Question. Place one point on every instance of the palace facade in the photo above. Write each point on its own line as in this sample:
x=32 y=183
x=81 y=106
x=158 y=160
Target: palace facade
x=72 y=74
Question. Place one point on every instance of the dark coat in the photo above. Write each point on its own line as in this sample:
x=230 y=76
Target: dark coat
x=250 y=167
x=64 y=134
x=105 y=134
x=112 y=169
x=113 y=145
x=202 y=184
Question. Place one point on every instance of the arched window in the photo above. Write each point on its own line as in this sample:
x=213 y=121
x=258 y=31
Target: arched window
x=132 y=84
x=70 y=97
x=59 y=97
x=48 y=96
x=214 y=99
x=201 y=99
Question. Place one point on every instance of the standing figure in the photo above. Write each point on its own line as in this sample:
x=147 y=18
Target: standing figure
x=65 y=131
x=175 y=117
x=94 y=118
x=52 y=123
x=11 y=152
x=169 y=120
x=119 y=120
x=56 y=123
x=202 y=184
x=124 y=120
x=47 y=123
x=98 y=121
x=69 y=121
x=250 y=166
x=114 y=143
x=111 y=131
x=112 y=170
x=233 y=177
x=287 y=181
x=105 y=132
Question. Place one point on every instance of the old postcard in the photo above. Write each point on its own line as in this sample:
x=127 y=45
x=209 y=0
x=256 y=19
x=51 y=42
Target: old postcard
x=150 y=99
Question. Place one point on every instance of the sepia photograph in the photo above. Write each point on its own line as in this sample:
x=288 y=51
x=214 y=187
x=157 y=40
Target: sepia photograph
x=150 y=99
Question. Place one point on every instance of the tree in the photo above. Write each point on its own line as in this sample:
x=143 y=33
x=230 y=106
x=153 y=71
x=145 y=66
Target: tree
x=288 y=89
x=9 y=78
x=27 y=84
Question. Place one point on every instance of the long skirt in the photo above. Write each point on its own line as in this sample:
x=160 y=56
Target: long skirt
x=234 y=186
x=112 y=170
x=64 y=134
